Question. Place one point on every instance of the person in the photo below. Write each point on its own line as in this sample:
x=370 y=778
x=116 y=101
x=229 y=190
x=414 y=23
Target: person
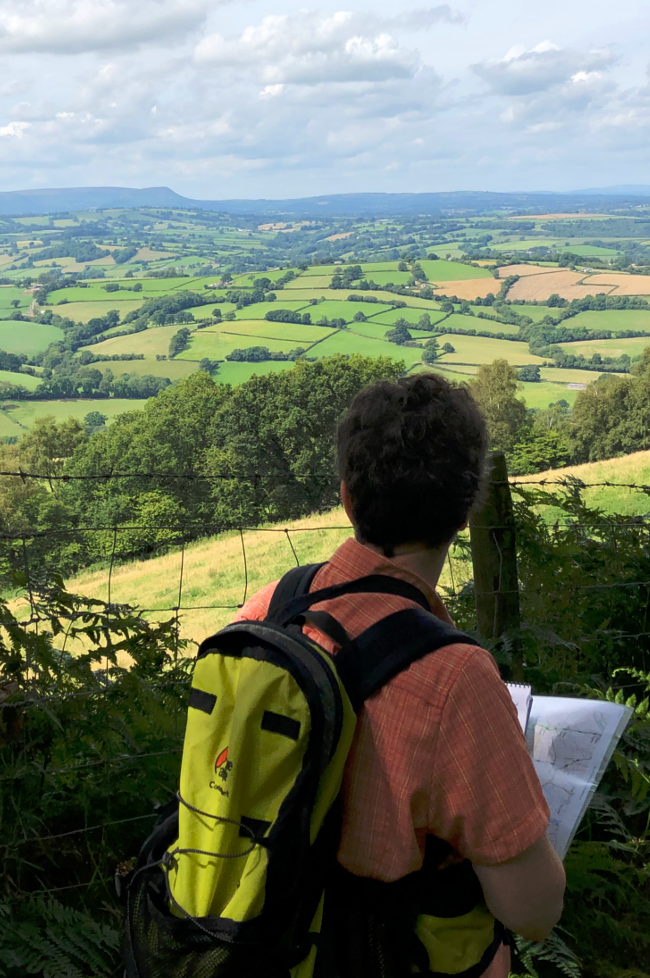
x=438 y=754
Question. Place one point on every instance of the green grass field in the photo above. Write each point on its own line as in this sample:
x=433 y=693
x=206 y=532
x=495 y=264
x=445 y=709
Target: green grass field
x=174 y=369
x=565 y=375
x=259 y=309
x=255 y=329
x=525 y=245
x=536 y=313
x=19 y=379
x=614 y=319
x=25 y=413
x=27 y=337
x=81 y=312
x=452 y=271
x=410 y=314
x=389 y=278
x=216 y=346
x=608 y=348
x=9 y=294
x=544 y=393
x=629 y=469
x=149 y=341
x=482 y=349
x=348 y=343
x=589 y=250
x=340 y=309
x=456 y=321
x=237 y=373
x=314 y=281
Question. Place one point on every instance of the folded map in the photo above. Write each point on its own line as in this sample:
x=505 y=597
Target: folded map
x=571 y=742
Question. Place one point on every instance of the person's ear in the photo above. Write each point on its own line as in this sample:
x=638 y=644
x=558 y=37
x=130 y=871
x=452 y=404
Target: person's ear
x=347 y=502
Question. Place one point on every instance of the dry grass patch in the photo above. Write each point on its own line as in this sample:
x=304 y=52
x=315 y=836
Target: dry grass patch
x=538 y=288
x=624 y=284
x=468 y=288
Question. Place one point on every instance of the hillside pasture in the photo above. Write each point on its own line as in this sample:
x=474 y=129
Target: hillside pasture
x=150 y=342
x=174 y=369
x=569 y=375
x=25 y=413
x=541 y=394
x=349 y=343
x=295 y=333
x=259 y=309
x=216 y=346
x=315 y=282
x=81 y=312
x=389 y=278
x=456 y=321
x=9 y=294
x=410 y=314
x=15 y=378
x=614 y=319
x=633 y=469
x=340 y=309
x=27 y=337
x=238 y=373
x=439 y=270
x=483 y=349
x=608 y=348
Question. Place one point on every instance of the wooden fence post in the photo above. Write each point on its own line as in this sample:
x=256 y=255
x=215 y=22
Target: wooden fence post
x=494 y=556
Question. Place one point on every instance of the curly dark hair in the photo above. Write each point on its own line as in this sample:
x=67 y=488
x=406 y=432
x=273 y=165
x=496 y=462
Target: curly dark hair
x=412 y=455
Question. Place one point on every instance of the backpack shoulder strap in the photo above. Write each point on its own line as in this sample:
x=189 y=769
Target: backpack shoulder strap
x=373 y=584
x=389 y=647
x=295 y=582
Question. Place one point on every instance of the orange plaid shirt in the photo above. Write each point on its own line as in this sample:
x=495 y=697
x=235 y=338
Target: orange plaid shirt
x=438 y=750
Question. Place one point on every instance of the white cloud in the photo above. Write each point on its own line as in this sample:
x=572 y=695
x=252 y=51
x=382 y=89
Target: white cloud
x=523 y=72
x=424 y=18
x=14 y=130
x=310 y=49
x=77 y=26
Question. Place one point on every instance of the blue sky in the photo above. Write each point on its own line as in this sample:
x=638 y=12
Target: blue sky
x=274 y=98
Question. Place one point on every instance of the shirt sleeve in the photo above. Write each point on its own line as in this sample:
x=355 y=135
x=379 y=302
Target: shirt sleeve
x=256 y=607
x=486 y=798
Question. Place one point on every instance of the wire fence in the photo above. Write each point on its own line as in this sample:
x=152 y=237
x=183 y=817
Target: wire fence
x=29 y=549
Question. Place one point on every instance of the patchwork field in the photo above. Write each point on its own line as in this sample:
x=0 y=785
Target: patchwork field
x=81 y=312
x=607 y=348
x=622 y=284
x=469 y=288
x=450 y=271
x=14 y=378
x=482 y=349
x=563 y=282
x=409 y=314
x=150 y=342
x=22 y=414
x=614 y=319
x=174 y=369
x=29 y=338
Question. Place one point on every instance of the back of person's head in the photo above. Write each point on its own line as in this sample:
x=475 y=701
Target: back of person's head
x=412 y=455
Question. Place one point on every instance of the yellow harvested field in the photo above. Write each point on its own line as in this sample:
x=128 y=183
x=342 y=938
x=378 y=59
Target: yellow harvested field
x=624 y=284
x=337 y=237
x=469 y=288
x=522 y=270
x=561 y=282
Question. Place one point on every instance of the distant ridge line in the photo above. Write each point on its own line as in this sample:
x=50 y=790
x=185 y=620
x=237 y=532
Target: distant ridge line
x=14 y=203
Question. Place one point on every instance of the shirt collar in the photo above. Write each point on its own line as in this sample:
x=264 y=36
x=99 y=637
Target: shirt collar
x=353 y=559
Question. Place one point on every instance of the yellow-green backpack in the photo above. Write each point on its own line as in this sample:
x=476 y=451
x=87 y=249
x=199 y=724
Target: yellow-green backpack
x=233 y=880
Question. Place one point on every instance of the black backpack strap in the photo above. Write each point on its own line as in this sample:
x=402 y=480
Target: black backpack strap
x=295 y=582
x=389 y=647
x=373 y=584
